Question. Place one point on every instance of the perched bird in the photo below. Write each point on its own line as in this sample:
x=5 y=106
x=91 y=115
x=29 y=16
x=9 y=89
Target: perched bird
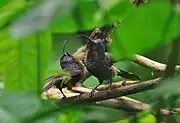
x=74 y=69
x=93 y=56
x=97 y=62
x=105 y=33
x=72 y=65
x=100 y=65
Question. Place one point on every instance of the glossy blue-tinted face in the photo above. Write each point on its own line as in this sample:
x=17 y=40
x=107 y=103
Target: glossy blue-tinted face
x=66 y=59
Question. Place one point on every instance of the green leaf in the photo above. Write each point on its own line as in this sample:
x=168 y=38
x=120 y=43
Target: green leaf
x=25 y=71
x=78 y=19
x=143 y=28
x=27 y=108
x=3 y=2
x=96 y=14
x=7 y=117
x=66 y=24
x=149 y=118
x=71 y=116
x=28 y=103
x=111 y=11
x=122 y=121
x=44 y=45
x=45 y=12
x=10 y=9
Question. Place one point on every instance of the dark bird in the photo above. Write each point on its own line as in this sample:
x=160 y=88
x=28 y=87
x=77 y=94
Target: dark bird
x=74 y=70
x=70 y=64
x=97 y=62
x=100 y=65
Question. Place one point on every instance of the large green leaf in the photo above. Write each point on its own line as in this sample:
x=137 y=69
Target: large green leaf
x=7 y=117
x=90 y=14
x=3 y=2
x=145 y=27
x=8 y=11
x=25 y=71
x=28 y=108
x=40 y=17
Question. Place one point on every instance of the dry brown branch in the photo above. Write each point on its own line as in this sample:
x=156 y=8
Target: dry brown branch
x=146 y=62
x=122 y=103
x=114 y=93
x=125 y=103
x=115 y=85
x=170 y=111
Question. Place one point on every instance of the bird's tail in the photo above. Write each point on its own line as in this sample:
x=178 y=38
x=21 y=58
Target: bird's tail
x=56 y=81
x=127 y=75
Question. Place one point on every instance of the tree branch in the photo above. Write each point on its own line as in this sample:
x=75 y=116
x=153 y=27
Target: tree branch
x=114 y=93
x=115 y=85
x=125 y=103
x=121 y=103
x=143 y=61
x=170 y=111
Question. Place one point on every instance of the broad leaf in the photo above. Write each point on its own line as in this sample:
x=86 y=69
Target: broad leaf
x=25 y=71
x=145 y=27
x=8 y=11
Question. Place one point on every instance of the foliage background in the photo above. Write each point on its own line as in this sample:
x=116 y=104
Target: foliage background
x=31 y=37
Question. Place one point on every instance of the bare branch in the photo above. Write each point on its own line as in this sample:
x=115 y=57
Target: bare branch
x=121 y=103
x=125 y=103
x=146 y=62
x=170 y=111
x=114 y=93
x=115 y=85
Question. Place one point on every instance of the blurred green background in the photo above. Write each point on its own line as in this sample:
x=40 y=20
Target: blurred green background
x=31 y=36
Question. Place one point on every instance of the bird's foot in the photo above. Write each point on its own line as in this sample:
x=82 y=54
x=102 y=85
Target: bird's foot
x=108 y=91
x=124 y=83
x=64 y=97
x=91 y=94
x=79 y=96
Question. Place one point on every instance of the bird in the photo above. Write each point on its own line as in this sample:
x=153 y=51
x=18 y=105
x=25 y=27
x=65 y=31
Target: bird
x=97 y=62
x=74 y=70
x=100 y=64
